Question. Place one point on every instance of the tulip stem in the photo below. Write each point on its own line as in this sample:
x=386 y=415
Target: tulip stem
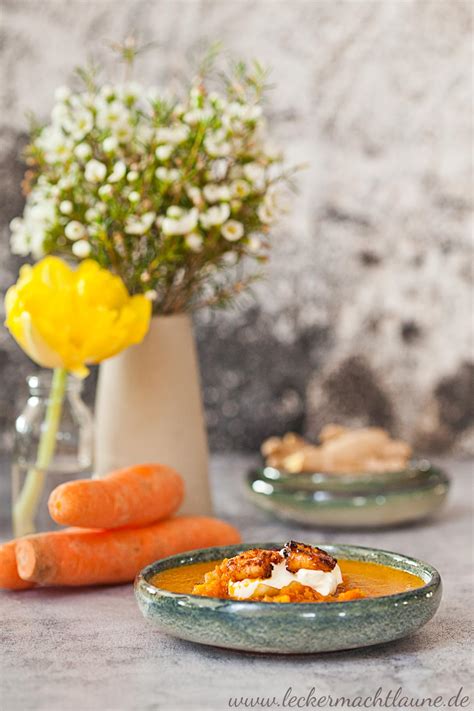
x=26 y=506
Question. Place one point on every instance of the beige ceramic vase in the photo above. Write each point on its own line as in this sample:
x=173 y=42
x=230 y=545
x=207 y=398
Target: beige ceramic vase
x=149 y=409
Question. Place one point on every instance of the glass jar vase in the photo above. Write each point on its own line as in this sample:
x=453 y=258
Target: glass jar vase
x=72 y=450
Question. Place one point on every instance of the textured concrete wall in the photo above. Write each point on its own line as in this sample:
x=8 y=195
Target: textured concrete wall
x=365 y=314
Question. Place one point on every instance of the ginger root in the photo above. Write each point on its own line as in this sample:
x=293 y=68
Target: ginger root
x=342 y=450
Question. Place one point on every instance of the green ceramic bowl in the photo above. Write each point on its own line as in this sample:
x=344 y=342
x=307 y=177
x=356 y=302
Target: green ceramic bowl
x=350 y=500
x=290 y=628
x=417 y=472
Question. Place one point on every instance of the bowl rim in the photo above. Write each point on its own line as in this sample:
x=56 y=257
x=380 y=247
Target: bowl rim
x=338 y=499
x=348 y=483
x=427 y=590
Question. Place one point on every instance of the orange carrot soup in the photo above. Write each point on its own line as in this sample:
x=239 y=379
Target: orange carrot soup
x=359 y=580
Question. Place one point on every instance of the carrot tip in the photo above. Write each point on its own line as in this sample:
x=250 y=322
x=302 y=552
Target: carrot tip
x=25 y=559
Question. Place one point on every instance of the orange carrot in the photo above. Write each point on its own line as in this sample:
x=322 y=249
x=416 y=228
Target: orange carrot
x=87 y=557
x=135 y=496
x=9 y=578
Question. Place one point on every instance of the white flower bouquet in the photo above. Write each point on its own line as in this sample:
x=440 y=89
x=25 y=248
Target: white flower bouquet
x=171 y=194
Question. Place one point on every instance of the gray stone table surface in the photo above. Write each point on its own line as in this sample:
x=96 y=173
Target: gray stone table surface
x=88 y=649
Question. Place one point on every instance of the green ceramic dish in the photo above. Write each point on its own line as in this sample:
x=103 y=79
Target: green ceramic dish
x=350 y=500
x=290 y=628
x=417 y=472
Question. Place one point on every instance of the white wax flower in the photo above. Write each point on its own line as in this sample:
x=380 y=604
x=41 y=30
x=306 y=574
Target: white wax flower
x=134 y=196
x=180 y=225
x=66 y=207
x=118 y=172
x=79 y=124
x=254 y=172
x=235 y=109
x=16 y=224
x=239 y=188
x=194 y=195
x=95 y=171
x=264 y=214
x=230 y=258
x=254 y=243
x=110 y=144
x=66 y=182
x=44 y=211
x=174 y=135
x=167 y=175
x=148 y=218
x=143 y=133
x=252 y=113
x=134 y=226
x=219 y=168
x=130 y=91
x=218 y=136
x=272 y=207
x=19 y=241
x=175 y=211
x=196 y=116
x=105 y=191
x=82 y=151
x=272 y=151
x=215 y=216
x=111 y=114
x=56 y=146
x=164 y=152
x=28 y=233
x=275 y=201
x=232 y=123
x=216 y=193
x=140 y=225
x=62 y=93
x=216 y=149
x=194 y=242
x=232 y=230
x=81 y=248
x=107 y=91
x=74 y=230
x=92 y=214
x=76 y=101
x=123 y=131
x=60 y=115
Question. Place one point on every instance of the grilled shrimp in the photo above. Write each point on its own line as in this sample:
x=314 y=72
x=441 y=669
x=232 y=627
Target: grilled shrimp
x=300 y=555
x=255 y=563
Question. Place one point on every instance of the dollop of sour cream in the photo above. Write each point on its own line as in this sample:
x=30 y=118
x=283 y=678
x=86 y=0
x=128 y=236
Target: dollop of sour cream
x=324 y=583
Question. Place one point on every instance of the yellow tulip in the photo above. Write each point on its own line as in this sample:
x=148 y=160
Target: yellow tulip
x=68 y=318
x=64 y=319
